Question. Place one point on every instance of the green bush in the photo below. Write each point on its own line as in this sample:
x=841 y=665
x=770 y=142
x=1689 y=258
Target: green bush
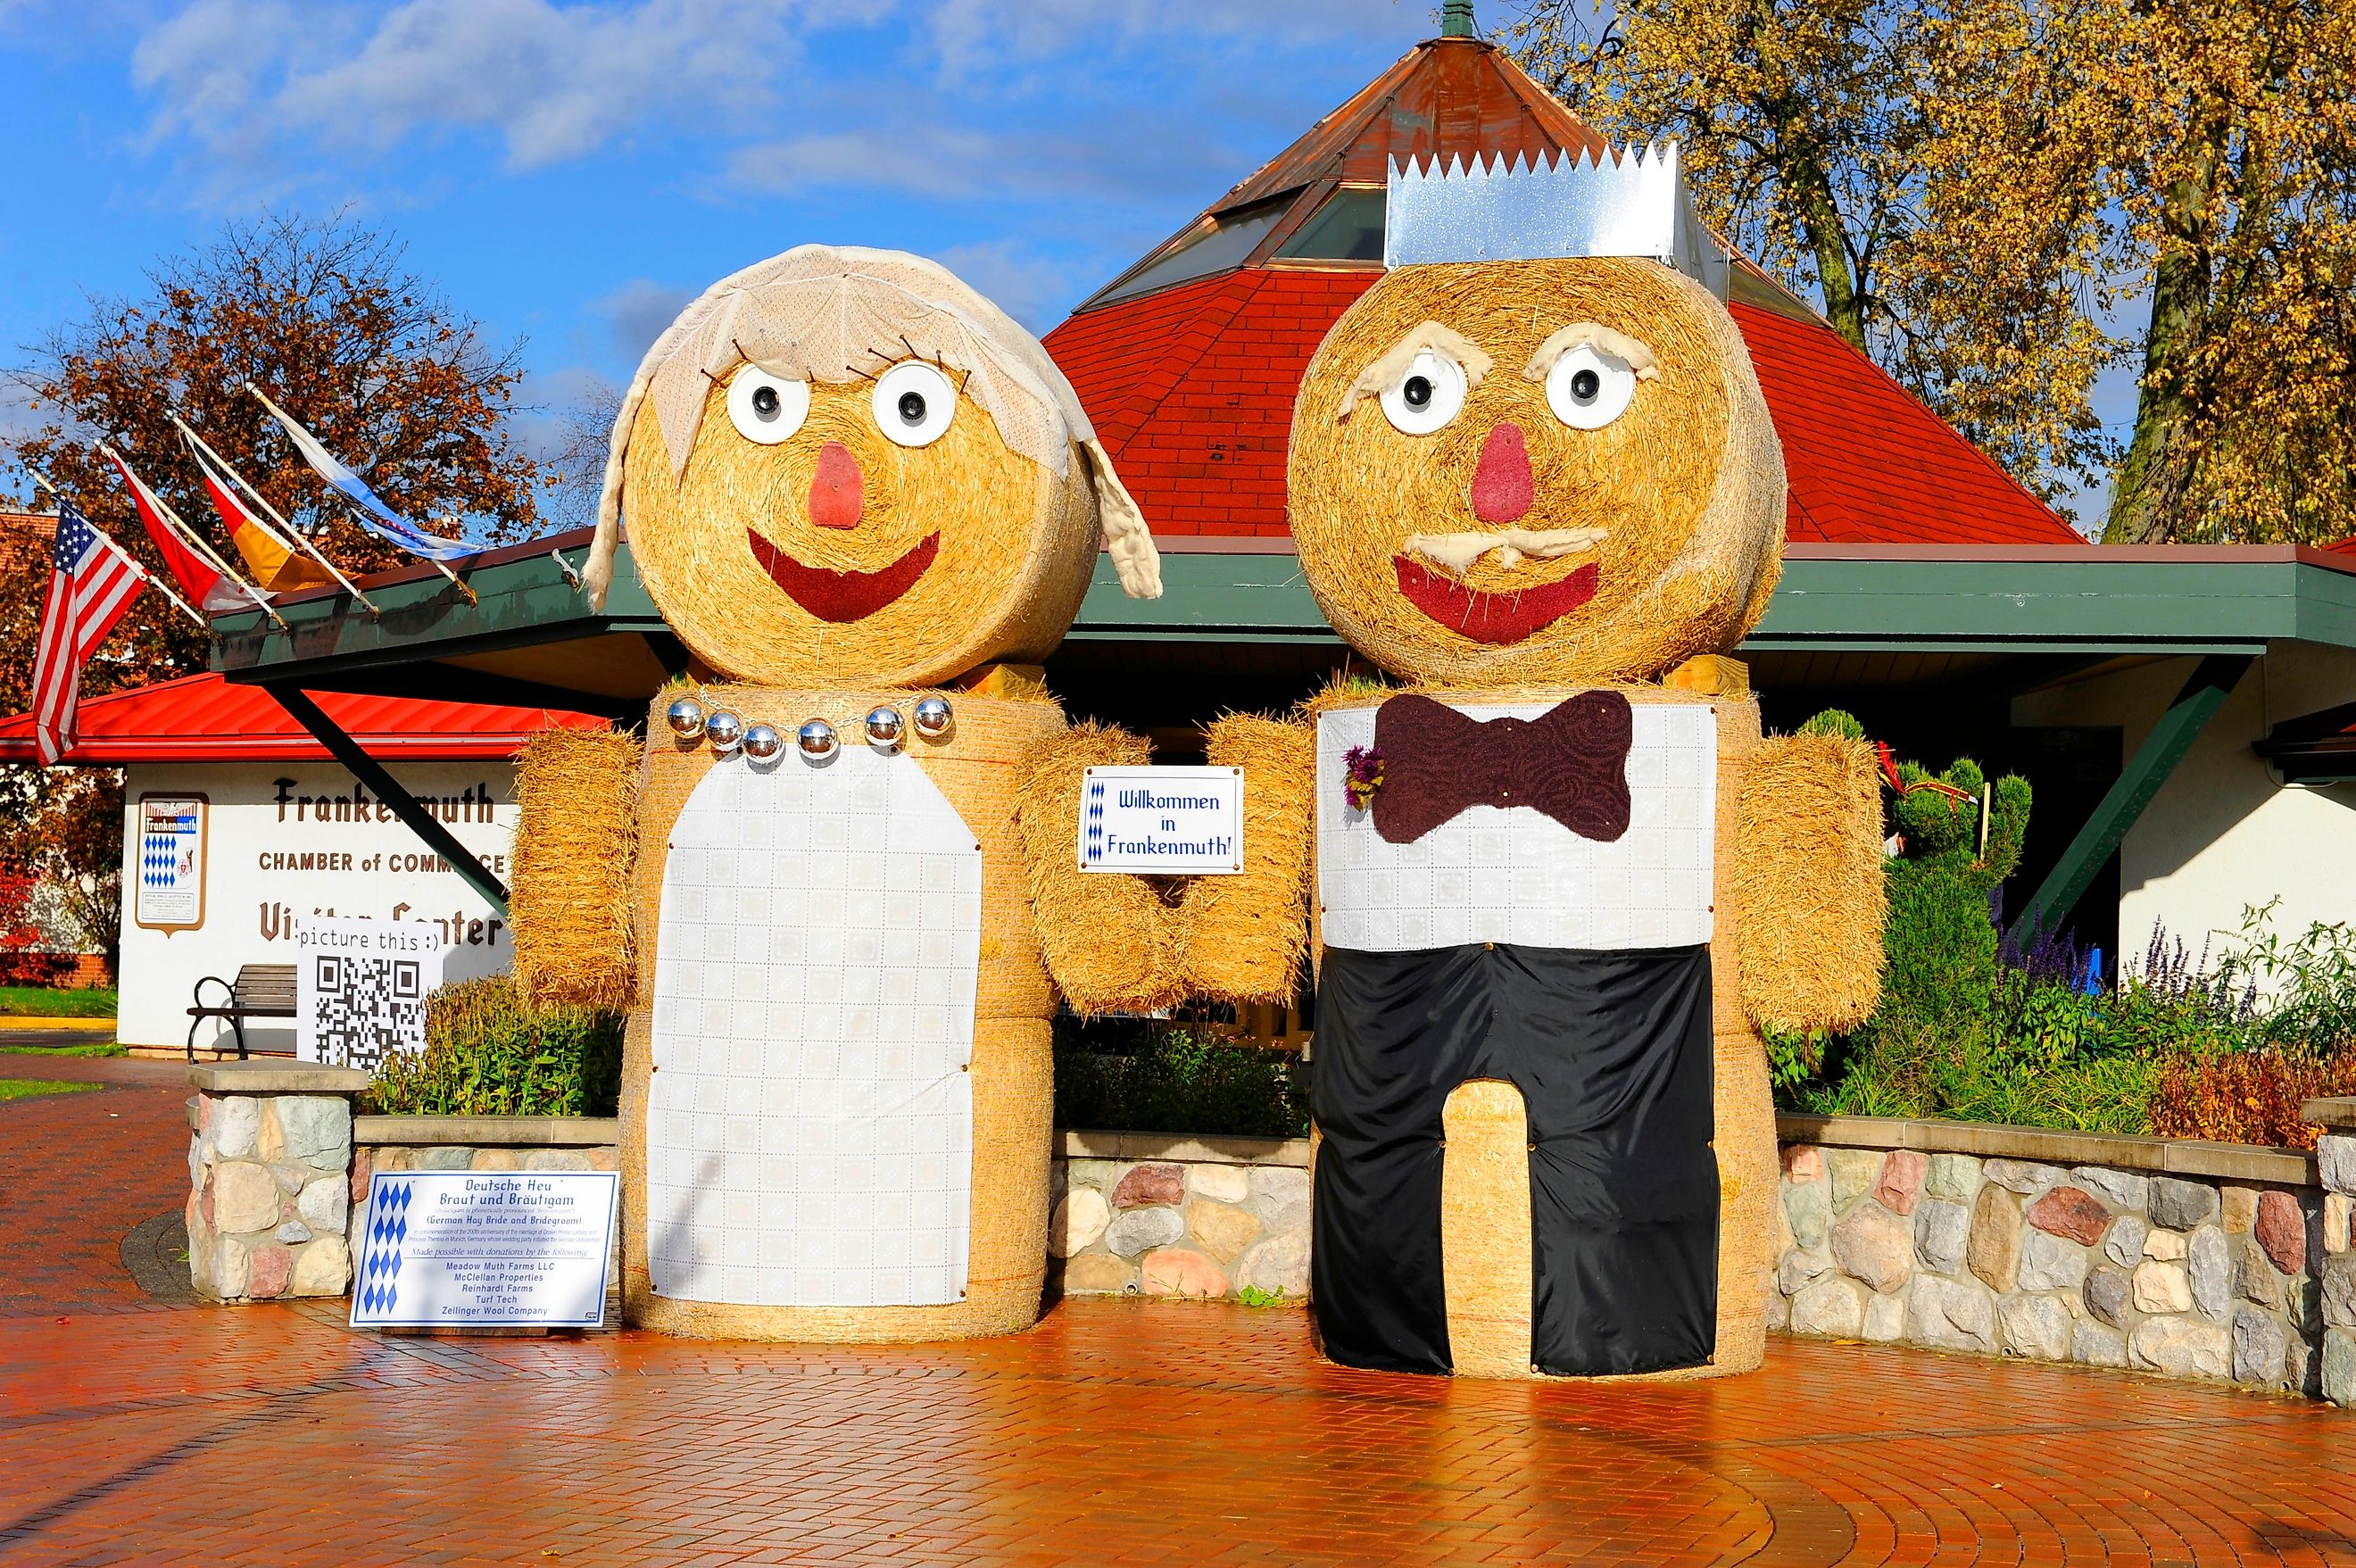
x=1143 y=1076
x=488 y=1054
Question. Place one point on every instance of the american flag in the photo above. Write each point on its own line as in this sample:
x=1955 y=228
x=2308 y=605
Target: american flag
x=91 y=584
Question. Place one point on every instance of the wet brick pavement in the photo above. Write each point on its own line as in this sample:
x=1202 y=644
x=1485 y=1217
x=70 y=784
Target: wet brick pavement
x=1117 y=1433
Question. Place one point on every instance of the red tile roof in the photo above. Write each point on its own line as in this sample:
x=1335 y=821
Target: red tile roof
x=1192 y=387
x=1868 y=464
x=203 y=718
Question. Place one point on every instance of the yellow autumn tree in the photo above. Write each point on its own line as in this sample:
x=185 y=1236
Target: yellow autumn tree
x=2000 y=201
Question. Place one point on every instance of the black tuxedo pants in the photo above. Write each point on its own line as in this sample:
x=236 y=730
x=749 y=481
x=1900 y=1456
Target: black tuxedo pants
x=1611 y=1054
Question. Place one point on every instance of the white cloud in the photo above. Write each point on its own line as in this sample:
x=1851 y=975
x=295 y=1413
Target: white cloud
x=262 y=97
x=249 y=78
x=1034 y=289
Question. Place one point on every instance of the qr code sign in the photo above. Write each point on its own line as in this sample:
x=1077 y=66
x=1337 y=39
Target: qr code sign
x=360 y=1004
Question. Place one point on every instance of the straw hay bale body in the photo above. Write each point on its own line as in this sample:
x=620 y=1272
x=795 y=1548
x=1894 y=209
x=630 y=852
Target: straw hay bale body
x=1246 y=935
x=1809 y=882
x=569 y=896
x=979 y=768
x=1486 y=1234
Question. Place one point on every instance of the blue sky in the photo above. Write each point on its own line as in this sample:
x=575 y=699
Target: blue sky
x=571 y=173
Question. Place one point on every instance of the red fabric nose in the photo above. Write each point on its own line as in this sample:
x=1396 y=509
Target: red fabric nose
x=1502 y=487
x=839 y=491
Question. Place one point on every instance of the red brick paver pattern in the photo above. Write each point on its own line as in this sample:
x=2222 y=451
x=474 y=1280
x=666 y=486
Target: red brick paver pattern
x=1117 y=1433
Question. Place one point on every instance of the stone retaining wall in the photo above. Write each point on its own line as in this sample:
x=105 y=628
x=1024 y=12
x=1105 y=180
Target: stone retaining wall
x=269 y=1193
x=1152 y=1214
x=2201 y=1261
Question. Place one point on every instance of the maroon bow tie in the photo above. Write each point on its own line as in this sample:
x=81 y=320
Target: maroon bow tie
x=1569 y=762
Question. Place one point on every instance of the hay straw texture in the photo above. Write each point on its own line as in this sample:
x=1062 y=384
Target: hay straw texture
x=1011 y=546
x=1688 y=483
x=1246 y=935
x=979 y=768
x=1484 y=1230
x=569 y=894
x=1112 y=941
x=1809 y=882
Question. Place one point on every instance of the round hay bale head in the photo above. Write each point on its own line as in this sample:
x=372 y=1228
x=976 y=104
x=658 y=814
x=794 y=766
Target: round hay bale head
x=963 y=551
x=1685 y=485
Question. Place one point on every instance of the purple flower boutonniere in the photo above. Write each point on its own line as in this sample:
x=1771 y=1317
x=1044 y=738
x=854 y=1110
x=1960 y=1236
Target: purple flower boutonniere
x=1363 y=775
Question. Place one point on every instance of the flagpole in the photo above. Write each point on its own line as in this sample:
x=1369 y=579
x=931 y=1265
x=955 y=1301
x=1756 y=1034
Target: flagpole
x=151 y=580
x=287 y=419
x=292 y=532
x=187 y=535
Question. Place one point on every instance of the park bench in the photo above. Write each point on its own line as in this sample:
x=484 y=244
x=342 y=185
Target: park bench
x=260 y=991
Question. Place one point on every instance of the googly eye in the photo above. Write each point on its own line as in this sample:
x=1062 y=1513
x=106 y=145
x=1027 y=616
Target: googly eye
x=766 y=408
x=913 y=404
x=1587 y=389
x=1425 y=398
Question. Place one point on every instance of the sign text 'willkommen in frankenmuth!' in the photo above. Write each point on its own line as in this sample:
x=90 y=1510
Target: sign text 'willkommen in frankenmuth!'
x=1175 y=821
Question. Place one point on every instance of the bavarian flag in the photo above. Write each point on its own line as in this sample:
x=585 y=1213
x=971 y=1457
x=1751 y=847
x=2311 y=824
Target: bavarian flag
x=277 y=566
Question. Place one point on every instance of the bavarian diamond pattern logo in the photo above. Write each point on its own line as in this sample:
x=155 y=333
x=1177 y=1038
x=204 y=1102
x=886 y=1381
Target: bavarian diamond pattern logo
x=380 y=1272
x=1096 y=811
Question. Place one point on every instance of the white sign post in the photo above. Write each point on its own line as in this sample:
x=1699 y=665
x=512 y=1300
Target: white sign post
x=485 y=1249
x=1175 y=821
x=361 y=988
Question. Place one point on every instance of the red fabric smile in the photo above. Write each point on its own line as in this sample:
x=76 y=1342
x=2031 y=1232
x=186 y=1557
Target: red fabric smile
x=843 y=596
x=1492 y=617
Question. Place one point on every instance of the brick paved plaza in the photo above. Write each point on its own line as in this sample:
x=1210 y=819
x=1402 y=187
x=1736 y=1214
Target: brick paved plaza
x=145 y=1432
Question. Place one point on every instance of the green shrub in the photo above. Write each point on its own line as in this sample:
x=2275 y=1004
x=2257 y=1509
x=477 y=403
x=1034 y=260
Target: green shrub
x=1141 y=1076
x=488 y=1054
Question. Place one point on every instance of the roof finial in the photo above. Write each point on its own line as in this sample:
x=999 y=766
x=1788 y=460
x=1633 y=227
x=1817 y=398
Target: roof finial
x=1456 y=20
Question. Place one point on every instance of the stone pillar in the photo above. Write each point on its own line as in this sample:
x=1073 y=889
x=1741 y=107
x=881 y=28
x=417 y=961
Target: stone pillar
x=269 y=1178
x=2335 y=1159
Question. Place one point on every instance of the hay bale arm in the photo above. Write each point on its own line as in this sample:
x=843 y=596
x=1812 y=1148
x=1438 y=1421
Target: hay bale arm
x=1246 y=935
x=1111 y=941
x=576 y=842
x=1808 y=883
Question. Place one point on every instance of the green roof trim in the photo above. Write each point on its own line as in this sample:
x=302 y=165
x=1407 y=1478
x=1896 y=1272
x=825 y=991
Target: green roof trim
x=2190 y=599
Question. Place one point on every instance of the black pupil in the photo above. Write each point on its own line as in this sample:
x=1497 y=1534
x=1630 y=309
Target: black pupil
x=1585 y=384
x=912 y=408
x=1417 y=394
x=764 y=402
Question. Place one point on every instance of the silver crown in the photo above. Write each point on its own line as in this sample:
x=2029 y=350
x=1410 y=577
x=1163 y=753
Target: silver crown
x=1629 y=203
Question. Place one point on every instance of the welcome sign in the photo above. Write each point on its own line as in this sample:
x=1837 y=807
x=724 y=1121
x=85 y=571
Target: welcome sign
x=1173 y=822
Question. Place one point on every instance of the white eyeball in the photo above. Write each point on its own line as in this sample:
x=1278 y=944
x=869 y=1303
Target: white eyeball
x=766 y=408
x=913 y=404
x=1425 y=398
x=1587 y=389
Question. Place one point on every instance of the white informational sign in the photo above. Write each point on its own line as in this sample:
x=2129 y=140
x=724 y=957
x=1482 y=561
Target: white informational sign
x=485 y=1249
x=361 y=988
x=171 y=894
x=1177 y=821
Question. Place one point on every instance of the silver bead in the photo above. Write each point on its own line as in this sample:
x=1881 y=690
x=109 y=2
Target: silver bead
x=723 y=730
x=686 y=719
x=934 y=718
x=884 y=729
x=817 y=741
x=763 y=743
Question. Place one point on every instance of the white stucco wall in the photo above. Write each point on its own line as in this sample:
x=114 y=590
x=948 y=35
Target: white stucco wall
x=2222 y=832
x=286 y=840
